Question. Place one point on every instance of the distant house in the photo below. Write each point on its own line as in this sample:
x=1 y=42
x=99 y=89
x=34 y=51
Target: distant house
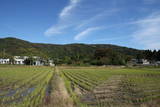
x=38 y=62
x=51 y=63
x=145 y=62
x=21 y=60
x=133 y=61
x=4 y=61
x=158 y=63
x=139 y=62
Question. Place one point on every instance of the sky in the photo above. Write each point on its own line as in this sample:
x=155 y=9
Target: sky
x=130 y=23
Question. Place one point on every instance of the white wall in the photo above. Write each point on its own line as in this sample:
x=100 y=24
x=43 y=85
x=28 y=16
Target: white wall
x=19 y=61
x=4 y=61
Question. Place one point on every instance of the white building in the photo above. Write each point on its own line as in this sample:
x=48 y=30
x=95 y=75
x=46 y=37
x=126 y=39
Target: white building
x=139 y=62
x=4 y=61
x=19 y=59
x=38 y=63
x=36 y=57
x=133 y=61
x=145 y=62
x=158 y=63
x=51 y=63
x=25 y=57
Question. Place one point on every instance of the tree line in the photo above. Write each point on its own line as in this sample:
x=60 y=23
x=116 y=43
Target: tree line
x=101 y=56
x=150 y=55
x=108 y=56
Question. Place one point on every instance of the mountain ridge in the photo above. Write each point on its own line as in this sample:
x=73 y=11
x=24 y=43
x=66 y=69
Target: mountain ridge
x=13 y=38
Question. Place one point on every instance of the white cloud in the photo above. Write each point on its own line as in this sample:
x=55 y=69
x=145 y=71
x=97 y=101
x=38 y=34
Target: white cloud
x=148 y=32
x=86 y=32
x=54 y=30
x=73 y=17
x=67 y=10
x=63 y=23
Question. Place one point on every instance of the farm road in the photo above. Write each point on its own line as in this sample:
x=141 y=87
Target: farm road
x=59 y=95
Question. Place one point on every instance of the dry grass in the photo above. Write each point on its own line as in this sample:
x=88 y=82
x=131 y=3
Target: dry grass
x=59 y=97
x=155 y=103
x=91 y=67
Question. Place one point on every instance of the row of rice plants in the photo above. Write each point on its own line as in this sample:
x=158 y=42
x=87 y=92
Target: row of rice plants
x=149 y=87
x=30 y=88
x=136 y=87
x=20 y=91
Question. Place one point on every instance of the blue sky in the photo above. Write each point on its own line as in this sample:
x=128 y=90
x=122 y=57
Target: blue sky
x=131 y=23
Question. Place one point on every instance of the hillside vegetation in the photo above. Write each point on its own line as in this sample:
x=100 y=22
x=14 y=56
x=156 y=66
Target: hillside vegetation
x=69 y=53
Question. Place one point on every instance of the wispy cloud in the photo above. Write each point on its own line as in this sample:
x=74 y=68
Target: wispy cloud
x=74 y=17
x=148 y=31
x=68 y=9
x=63 y=23
x=56 y=29
x=86 y=32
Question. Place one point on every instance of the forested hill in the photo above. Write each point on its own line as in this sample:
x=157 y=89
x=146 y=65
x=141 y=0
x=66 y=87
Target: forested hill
x=13 y=46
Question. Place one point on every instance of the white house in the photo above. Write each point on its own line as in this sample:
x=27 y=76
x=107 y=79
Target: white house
x=36 y=57
x=25 y=57
x=51 y=63
x=4 y=61
x=19 y=59
x=158 y=63
x=145 y=62
x=39 y=63
x=133 y=61
x=140 y=61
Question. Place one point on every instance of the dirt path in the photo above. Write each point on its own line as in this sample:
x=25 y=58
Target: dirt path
x=59 y=95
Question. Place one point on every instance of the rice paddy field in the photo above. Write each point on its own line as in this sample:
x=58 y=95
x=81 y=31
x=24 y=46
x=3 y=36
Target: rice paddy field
x=23 y=86
x=114 y=87
x=29 y=86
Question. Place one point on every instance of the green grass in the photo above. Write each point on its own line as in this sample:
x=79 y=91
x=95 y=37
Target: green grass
x=23 y=86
